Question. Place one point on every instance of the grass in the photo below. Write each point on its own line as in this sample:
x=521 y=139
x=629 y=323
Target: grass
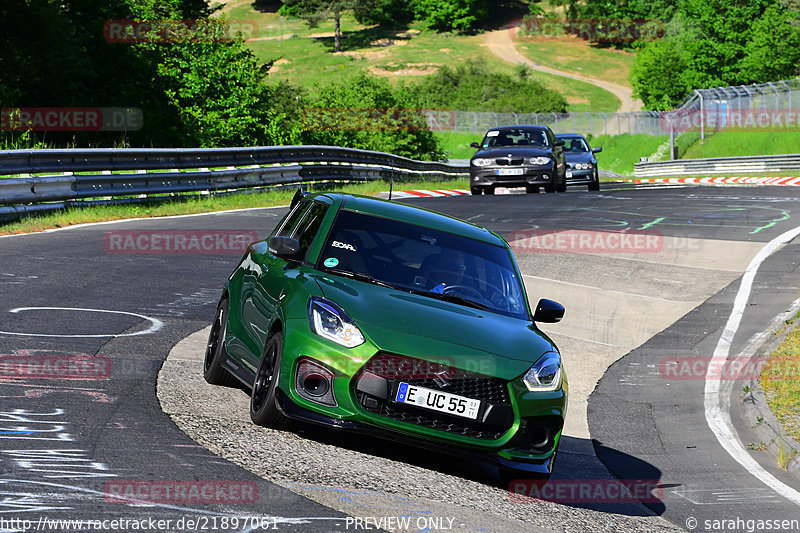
x=304 y=57
x=82 y=215
x=620 y=152
x=572 y=54
x=781 y=382
x=743 y=143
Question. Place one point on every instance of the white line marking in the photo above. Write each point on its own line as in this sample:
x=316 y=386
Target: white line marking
x=717 y=404
x=155 y=324
x=633 y=294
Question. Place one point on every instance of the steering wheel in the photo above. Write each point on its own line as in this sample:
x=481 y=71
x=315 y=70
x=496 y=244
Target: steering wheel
x=467 y=291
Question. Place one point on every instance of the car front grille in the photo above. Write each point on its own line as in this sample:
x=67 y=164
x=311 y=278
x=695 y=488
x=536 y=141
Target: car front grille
x=506 y=161
x=492 y=392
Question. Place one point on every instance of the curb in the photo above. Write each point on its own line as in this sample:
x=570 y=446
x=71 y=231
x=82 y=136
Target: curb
x=764 y=422
x=791 y=181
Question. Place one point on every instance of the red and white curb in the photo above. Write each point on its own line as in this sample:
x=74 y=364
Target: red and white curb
x=789 y=181
x=427 y=194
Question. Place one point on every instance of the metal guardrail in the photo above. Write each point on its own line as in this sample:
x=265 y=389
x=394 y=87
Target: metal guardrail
x=128 y=175
x=718 y=165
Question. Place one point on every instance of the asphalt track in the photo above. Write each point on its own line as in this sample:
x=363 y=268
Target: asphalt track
x=65 y=440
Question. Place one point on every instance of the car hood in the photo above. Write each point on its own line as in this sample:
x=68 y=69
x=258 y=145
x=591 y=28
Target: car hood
x=527 y=151
x=422 y=327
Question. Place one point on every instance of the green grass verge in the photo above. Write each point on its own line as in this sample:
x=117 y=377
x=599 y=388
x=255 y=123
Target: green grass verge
x=743 y=143
x=781 y=382
x=82 y=215
x=620 y=152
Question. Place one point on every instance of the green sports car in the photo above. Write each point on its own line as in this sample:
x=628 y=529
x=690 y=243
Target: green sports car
x=391 y=320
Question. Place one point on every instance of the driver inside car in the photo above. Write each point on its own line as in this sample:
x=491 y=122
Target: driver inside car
x=447 y=270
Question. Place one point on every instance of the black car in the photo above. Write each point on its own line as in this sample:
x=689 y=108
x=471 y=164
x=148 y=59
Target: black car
x=581 y=163
x=518 y=156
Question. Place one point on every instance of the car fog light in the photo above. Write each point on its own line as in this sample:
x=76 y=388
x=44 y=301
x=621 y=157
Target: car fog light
x=314 y=382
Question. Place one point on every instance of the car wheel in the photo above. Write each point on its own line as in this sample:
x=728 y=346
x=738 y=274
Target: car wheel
x=263 y=402
x=213 y=372
x=550 y=188
x=488 y=190
x=562 y=187
x=595 y=185
x=475 y=191
x=532 y=189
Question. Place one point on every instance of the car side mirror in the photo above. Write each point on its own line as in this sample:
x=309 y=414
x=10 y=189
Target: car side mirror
x=597 y=150
x=284 y=247
x=560 y=142
x=548 y=311
x=474 y=145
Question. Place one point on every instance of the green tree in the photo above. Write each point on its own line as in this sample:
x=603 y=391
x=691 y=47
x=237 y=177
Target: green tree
x=657 y=75
x=452 y=15
x=315 y=11
x=366 y=112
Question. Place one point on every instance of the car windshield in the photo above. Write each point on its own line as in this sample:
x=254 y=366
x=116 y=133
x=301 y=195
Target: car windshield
x=574 y=144
x=515 y=137
x=423 y=261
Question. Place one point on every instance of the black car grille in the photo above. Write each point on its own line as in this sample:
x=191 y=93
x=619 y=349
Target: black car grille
x=394 y=369
x=506 y=161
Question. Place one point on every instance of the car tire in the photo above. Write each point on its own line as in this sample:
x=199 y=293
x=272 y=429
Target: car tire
x=562 y=187
x=550 y=188
x=595 y=185
x=264 y=409
x=475 y=191
x=532 y=189
x=216 y=354
x=488 y=190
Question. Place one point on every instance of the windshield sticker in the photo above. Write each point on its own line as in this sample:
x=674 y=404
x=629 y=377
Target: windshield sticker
x=331 y=262
x=430 y=239
x=493 y=133
x=343 y=246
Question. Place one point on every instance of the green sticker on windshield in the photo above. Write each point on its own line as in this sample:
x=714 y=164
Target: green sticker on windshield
x=331 y=262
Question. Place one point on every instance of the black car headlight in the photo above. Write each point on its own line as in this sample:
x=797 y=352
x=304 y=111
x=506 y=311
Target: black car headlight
x=328 y=320
x=540 y=160
x=545 y=374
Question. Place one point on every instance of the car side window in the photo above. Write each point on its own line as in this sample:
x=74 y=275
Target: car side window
x=291 y=221
x=308 y=227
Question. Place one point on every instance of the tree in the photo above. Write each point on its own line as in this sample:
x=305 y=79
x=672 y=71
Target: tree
x=452 y=15
x=657 y=75
x=315 y=11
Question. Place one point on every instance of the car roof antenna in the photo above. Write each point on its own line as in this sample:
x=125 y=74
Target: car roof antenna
x=299 y=195
x=391 y=182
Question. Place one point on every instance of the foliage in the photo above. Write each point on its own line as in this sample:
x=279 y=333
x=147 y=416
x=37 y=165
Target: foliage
x=366 y=112
x=452 y=15
x=474 y=87
x=315 y=11
x=714 y=43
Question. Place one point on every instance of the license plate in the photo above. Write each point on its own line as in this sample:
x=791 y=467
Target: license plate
x=435 y=400
x=569 y=173
x=510 y=171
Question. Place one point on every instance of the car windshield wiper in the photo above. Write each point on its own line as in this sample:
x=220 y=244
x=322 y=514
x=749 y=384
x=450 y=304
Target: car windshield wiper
x=361 y=277
x=452 y=298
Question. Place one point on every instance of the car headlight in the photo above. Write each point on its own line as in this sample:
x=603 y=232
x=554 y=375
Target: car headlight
x=481 y=162
x=328 y=320
x=545 y=374
x=583 y=166
x=540 y=160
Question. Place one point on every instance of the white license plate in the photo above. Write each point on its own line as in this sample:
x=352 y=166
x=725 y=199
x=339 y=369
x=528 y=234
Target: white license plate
x=510 y=171
x=569 y=173
x=435 y=400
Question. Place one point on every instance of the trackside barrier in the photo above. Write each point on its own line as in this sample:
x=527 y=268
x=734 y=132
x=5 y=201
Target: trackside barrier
x=718 y=165
x=44 y=180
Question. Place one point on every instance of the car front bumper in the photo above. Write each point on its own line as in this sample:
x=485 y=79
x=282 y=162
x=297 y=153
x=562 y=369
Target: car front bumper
x=581 y=177
x=531 y=175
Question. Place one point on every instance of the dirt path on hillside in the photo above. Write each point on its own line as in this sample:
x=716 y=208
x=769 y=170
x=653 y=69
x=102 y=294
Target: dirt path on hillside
x=500 y=43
